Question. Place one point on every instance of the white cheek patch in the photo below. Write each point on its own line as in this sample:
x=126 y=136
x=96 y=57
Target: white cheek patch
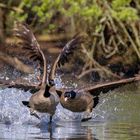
x=65 y=99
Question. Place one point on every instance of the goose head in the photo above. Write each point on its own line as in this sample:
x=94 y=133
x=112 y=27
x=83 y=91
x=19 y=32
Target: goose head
x=69 y=95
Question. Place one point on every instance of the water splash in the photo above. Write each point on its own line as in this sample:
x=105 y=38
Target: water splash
x=120 y=104
x=11 y=108
x=116 y=105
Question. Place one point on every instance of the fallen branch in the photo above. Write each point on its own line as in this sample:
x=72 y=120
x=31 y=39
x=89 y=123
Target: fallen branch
x=86 y=72
x=16 y=63
x=95 y=63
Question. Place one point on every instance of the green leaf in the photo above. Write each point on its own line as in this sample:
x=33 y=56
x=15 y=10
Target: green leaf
x=126 y=14
x=116 y=4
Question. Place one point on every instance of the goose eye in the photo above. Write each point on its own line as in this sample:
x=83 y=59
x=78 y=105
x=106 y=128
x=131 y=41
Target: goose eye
x=67 y=94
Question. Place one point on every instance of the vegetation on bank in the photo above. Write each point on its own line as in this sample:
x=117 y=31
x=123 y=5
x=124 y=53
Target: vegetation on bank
x=112 y=26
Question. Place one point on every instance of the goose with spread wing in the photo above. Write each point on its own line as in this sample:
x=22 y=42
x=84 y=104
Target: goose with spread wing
x=86 y=98
x=43 y=100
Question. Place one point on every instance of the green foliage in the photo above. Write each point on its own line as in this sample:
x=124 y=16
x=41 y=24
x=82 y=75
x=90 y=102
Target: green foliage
x=74 y=8
x=88 y=12
x=126 y=14
x=123 y=11
x=44 y=10
x=93 y=11
x=116 y=4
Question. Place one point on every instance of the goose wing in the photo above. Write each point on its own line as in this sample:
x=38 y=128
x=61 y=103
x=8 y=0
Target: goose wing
x=22 y=86
x=28 y=41
x=95 y=90
x=30 y=45
x=63 y=57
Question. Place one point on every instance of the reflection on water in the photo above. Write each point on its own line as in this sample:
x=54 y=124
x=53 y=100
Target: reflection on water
x=107 y=131
x=44 y=132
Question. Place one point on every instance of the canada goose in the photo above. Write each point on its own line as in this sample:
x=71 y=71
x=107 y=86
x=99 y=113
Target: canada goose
x=46 y=99
x=86 y=98
x=43 y=100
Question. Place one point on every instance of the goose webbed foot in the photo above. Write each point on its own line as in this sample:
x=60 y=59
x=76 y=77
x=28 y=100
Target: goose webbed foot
x=86 y=119
x=87 y=116
x=34 y=114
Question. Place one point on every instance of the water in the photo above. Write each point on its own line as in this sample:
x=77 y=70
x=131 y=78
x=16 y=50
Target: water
x=117 y=116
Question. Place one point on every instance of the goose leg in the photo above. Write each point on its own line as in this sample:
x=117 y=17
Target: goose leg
x=33 y=113
x=50 y=119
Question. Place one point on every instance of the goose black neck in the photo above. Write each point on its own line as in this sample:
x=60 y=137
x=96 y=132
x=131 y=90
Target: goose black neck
x=47 y=93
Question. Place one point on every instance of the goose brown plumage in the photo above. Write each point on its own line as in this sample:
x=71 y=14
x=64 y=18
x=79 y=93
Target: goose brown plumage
x=86 y=98
x=43 y=100
x=46 y=98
